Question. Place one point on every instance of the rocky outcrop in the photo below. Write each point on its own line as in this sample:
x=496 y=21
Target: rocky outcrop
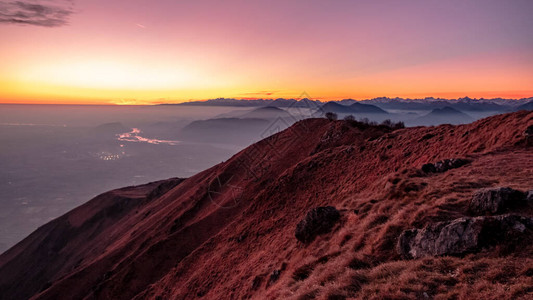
x=444 y=165
x=529 y=131
x=496 y=200
x=464 y=235
x=318 y=221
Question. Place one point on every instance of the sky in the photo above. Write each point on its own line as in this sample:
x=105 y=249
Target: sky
x=148 y=52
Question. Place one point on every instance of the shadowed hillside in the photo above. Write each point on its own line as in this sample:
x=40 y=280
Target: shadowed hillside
x=229 y=231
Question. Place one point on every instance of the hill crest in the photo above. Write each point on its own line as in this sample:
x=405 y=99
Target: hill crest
x=226 y=232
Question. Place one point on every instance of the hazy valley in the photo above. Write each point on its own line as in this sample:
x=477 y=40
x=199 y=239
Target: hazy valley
x=56 y=157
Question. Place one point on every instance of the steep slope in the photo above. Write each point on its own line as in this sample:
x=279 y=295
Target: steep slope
x=62 y=245
x=228 y=232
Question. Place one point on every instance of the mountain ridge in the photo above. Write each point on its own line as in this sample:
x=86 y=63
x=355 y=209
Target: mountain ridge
x=428 y=103
x=226 y=232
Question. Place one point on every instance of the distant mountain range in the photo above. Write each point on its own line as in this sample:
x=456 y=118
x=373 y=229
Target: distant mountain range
x=463 y=104
x=355 y=108
x=414 y=112
x=265 y=112
x=255 y=102
x=384 y=103
x=445 y=115
x=526 y=106
x=238 y=127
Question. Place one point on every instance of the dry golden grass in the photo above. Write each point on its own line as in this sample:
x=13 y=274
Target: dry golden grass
x=366 y=266
x=250 y=251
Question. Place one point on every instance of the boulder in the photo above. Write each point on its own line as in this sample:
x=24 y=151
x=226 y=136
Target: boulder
x=529 y=135
x=465 y=235
x=444 y=165
x=318 y=221
x=529 y=131
x=496 y=200
x=429 y=168
x=274 y=276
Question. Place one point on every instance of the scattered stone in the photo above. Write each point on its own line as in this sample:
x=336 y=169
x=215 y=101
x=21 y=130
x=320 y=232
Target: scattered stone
x=274 y=276
x=529 y=134
x=318 y=221
x=256 y=283
x=427 y=137
x=464 y=235
x=241 y=238
x=529 y=131
x=349 y=149
x=496 y=200
x=444 y=165
x=303 y=272
x=428 y=168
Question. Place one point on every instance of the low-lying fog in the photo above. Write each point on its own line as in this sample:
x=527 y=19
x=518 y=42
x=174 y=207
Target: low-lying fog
x=56 y=157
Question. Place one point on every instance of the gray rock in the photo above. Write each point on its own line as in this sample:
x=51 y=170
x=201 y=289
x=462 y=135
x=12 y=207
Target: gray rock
x=496 y=200
x=464 y=235
x=274 y=276
x=529 y=131
x=318 y=221
x=444 y=165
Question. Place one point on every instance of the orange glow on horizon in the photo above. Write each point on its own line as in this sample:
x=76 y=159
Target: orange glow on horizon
x=177 y=51
x=88 y=100
x=129 y=82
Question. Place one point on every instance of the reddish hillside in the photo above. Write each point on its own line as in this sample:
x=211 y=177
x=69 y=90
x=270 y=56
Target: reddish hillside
x=229 y=232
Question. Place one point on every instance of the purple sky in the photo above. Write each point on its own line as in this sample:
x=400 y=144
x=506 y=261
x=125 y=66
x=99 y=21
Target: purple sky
x=143 y=50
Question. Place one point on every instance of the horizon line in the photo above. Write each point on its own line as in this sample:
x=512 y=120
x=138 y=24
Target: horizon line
x=149 y=103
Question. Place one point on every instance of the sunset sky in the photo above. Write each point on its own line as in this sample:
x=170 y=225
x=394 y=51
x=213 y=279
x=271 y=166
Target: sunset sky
x=142 y=52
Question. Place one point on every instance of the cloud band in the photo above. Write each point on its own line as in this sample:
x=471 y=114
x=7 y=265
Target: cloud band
x=37 y=13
